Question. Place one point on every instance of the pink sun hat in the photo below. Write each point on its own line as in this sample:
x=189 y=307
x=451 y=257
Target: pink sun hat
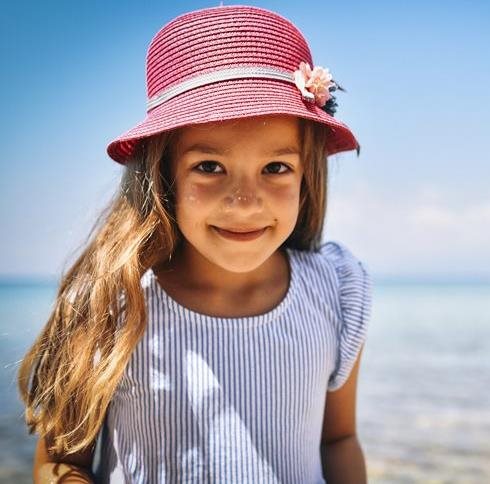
x=231 y=62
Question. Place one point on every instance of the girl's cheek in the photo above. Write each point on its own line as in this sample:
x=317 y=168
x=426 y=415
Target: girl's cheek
x=288 y=194
x=195 y=193
x=283 y=193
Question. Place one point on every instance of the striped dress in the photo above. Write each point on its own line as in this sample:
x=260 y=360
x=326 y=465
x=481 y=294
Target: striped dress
x=208 y=399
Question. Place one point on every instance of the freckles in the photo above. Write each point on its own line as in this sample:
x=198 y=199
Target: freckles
x=194 y=194
x=190 y=198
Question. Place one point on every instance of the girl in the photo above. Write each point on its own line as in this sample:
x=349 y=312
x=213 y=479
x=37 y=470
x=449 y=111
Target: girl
x=206 y=334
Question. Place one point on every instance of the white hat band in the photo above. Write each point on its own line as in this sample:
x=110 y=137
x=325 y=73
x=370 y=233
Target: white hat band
x=219 y=75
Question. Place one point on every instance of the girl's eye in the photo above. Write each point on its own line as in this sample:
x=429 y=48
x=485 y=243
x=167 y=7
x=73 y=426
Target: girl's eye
x=209 y=167
x=278 y=164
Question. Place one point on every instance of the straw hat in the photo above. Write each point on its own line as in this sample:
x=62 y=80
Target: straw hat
x=231 y=62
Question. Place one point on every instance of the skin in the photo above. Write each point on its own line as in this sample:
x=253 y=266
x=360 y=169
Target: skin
x=244 y=185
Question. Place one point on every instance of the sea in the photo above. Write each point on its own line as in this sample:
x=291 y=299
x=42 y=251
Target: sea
x=423 y=399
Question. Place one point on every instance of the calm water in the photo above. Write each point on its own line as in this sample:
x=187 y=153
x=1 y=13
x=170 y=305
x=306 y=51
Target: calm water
x=423 y=398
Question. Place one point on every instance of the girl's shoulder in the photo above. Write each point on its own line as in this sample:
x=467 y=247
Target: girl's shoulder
x=335 y=266
x=348 y=278
x=348 y=268
x=339 y=283
x=352 y=280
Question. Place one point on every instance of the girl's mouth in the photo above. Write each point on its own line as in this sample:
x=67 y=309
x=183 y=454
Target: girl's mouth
x=228 y=234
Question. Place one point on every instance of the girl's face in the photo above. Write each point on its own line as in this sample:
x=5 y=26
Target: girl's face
x=237 y=175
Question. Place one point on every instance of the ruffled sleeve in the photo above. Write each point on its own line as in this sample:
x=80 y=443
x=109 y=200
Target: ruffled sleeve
x=354 y=285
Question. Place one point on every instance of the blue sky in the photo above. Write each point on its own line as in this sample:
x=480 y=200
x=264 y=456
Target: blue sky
x=416 y=203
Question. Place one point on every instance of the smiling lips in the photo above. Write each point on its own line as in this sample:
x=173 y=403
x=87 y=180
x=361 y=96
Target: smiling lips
x=240 y=234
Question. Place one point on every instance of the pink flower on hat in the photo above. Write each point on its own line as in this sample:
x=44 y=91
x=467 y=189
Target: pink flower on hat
x=314 y=84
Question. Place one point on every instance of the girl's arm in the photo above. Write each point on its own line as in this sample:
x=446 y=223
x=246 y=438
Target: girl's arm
x=343 y=462
x=342 y=457
x=75 y=468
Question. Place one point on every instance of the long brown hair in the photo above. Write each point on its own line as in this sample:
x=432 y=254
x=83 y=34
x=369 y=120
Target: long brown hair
x=67 y=378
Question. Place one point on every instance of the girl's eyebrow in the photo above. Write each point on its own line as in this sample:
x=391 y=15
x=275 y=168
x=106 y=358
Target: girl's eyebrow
x=215 y=150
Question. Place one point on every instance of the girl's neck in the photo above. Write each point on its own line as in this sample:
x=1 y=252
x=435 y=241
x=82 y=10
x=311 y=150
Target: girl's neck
x=188 y=268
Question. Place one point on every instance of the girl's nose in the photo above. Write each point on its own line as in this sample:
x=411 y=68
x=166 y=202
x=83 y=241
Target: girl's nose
x=243 y=198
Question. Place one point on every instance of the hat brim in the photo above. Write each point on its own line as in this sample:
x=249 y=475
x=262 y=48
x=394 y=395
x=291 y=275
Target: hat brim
x=225 y=100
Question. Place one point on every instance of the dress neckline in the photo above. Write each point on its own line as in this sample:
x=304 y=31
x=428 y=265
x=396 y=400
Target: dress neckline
x=231 y=322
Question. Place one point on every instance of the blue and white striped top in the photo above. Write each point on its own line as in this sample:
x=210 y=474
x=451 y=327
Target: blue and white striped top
x=208 y=399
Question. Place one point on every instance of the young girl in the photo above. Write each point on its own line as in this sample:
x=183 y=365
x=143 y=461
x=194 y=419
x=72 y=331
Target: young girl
x=206 y=334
